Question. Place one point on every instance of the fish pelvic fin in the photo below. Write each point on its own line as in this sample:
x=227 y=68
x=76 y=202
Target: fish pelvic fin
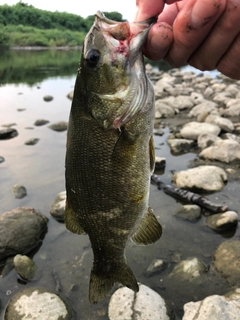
x=149 y=230
x=101 y=284
x=71 y=221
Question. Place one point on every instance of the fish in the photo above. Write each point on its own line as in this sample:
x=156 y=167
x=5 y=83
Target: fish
x=110 y=151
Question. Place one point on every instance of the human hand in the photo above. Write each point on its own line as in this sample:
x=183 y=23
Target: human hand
x=202 y=33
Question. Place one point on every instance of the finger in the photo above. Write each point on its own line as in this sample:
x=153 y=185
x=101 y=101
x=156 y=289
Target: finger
x=230 y=62
x=150 y=8
x=159 y=41
x=220 y=38
x=191 y=27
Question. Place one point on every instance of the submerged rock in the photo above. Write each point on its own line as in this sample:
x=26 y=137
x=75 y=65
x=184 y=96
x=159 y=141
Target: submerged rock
x=143 y=305
x=2 y=159
x=214 y=308
x=40 y=122
x=202 y=178
x=31 y=142
x=155 y=267
x=189 y=212
x=20 y=231
x=188 y=269
x=180 y=145
x=19 y=191
x=24 y=266
x=37 y=303
x=47 y=98
x=227 y=261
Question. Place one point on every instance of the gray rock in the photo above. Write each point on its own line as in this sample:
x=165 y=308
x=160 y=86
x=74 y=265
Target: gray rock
x=40 y=122
x=28 y=223
x=58 y=207
x=206 y=106
x=180 y=145
x=59 y=126
x=160 y=163
x=226 y=261
x=25 y=267
x=2 y=159
x=47 y=98
x=214 y=308
x=206 y=140
x=19 y=191
x=189 y=212
x=143 y=305
x=202 y=178
x=223 y=123
x=188 y=269
x=8 y=133
x=222 y=221
x=32 y=142
x=8 y=266
x=37 y=303
x=155 y=267
x=192 y=130
x=222 y=150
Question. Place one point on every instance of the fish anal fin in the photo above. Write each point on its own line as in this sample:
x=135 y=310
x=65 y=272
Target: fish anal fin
x=101 y=284
x=152 y=154
x=71 y=221
x=149 y=229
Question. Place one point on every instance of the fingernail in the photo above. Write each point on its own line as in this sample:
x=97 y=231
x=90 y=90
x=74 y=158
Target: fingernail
x=200 y=15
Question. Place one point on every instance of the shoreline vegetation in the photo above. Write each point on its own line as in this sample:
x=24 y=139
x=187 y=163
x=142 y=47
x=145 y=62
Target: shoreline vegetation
x=23 y=26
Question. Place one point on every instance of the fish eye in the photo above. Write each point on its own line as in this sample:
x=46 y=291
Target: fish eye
x=92 y=57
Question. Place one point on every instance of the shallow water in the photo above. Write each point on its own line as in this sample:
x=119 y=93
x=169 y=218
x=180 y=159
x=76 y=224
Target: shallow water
x=65 y=258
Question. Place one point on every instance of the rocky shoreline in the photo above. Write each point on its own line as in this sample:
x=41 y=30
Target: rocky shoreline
x=202 y=115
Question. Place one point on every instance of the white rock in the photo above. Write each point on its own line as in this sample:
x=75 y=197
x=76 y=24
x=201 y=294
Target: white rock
x=222 y=150
x=58 y=207
x=206 y=106
x=165 y=110
x=143 y=305
x=214 y=308
x=207 y=178
x=188 y=269
x=206 y=140
x=222 y=221
x=223 y=123
x=180 y=102
x=192 y=130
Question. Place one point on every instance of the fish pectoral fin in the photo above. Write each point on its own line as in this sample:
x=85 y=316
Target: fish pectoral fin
x=152 y=154
x=72 y=222
x=149 y=230
x=101 y=283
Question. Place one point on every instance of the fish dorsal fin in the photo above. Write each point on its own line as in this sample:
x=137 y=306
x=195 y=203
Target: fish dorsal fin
x=71 y=221
x=151 y=154
x=149 y=229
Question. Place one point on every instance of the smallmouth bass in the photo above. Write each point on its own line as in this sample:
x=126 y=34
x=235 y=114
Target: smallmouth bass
x=110 y=151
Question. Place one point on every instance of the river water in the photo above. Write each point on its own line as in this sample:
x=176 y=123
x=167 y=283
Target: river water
x=66 y=258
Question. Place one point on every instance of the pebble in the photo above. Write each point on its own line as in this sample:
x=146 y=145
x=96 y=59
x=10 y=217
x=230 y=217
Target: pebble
x=48 y=98
x=40 y=122
x=2 y=159
x=25 y=267
x=37 y=303
x=160 y=163
x=31 y=142
x=180 y=145
x=70 y=95
x=58 y=207
x=188 y=269
x=143 y=305
x=59 y=126
x=19 y=191
x=8 y=133
x=155 y=267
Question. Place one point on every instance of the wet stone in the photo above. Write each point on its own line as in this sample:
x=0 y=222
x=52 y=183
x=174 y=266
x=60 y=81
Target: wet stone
x=40 y=122
x=48 y=98
x=70 y=95
x=223 y=221
x=2 y=159
x=31 y=142
x=8 y=133
x=37 y=303
x=59 y=126
x=24 y=267
x=189 y=212
x=227 y=261
x=188 y=269
x=180 y=145
x=160 y=163
x=19 y=191
x=24 y=221
x=155 y=267
x=58 y=207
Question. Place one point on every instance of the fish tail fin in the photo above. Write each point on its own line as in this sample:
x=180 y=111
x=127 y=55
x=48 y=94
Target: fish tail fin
x=101 y=284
